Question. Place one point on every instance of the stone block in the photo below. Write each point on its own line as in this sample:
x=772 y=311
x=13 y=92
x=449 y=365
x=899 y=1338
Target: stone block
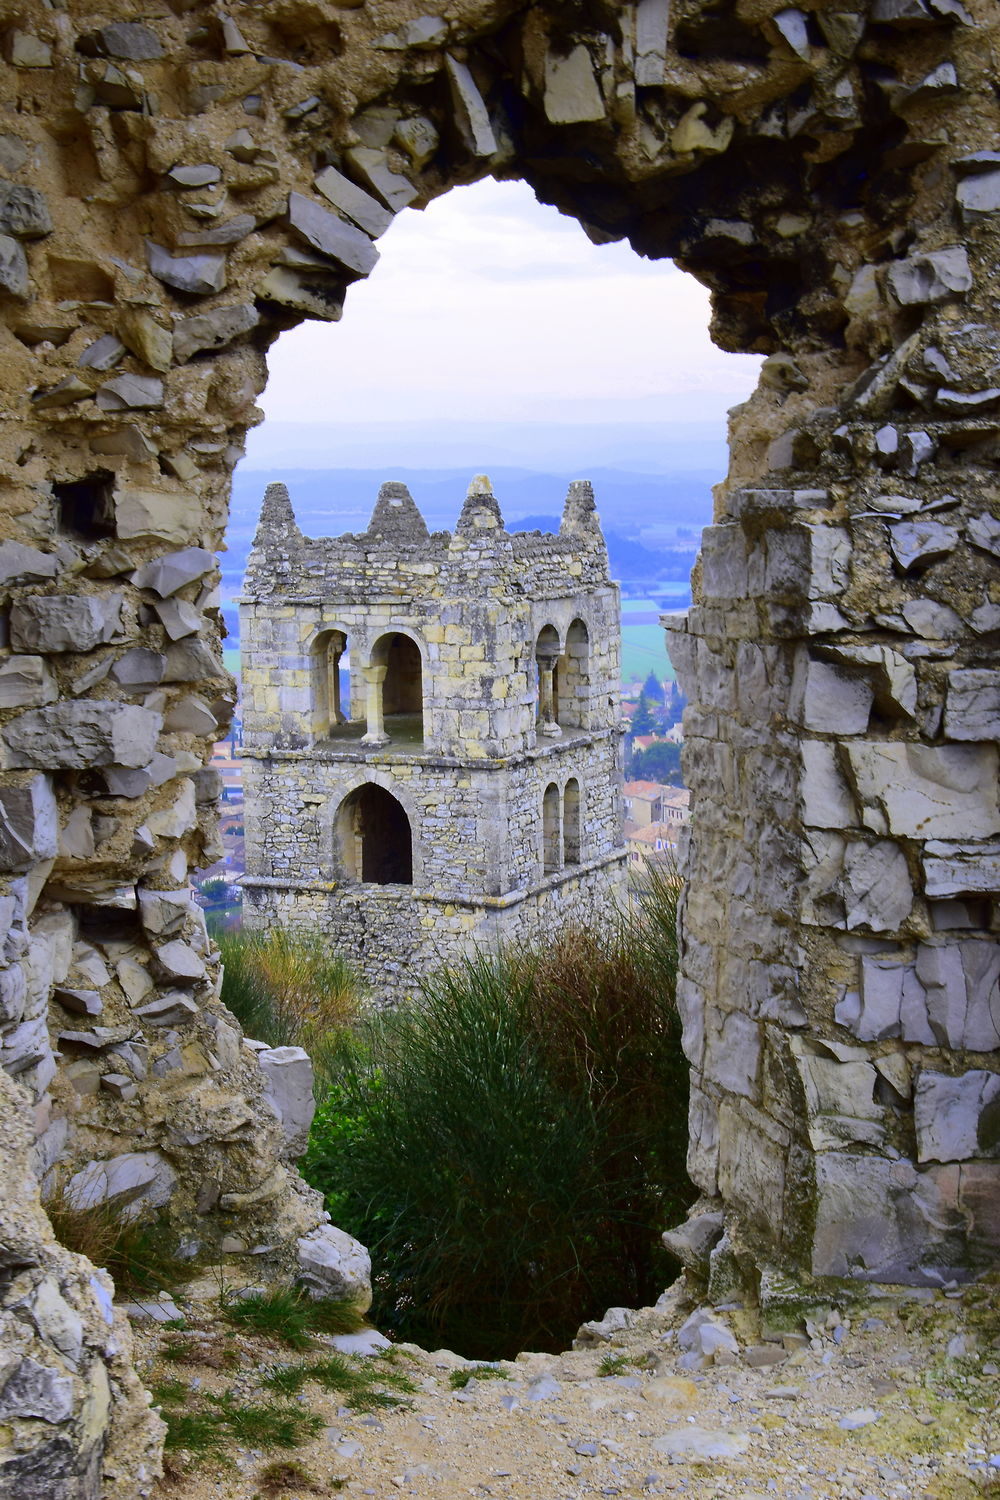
x=288 y=1089
x=130 y=393
x=652 y=22
x=13 y=268
x=179 y=961
x=826 y=800
x=835 y=703
x=29 y=823
x=164 y=912
x=876 y=886
x=957 y=1118
x=332 y=1264
x=215 y=329
x=332 y=236
x=931 y=276
x=349 y=199
x=839 y=1097
x=170 y=515
x=932 y=792
x=572 y=93
x=692 y=1241
x=880 y=1220
x=955 y=869
x=81 y=734
x=201 y=273
x=172 y=1009
x=140 y=669
x=920 y=543
x=21 y=564
x=191 y=715
x=131 y=1183
x=24 y=212
x=167 y=575
x=34 y=1390
x=63 y=622
x=961 y=982
x=972 y=704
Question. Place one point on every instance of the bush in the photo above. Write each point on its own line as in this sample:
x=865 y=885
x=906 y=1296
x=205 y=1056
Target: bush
x=137 y=1254
x=515 y=1143
x=287 y=989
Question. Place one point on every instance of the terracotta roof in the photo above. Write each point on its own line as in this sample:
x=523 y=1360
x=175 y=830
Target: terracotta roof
x=647 y=791
x=653 y=831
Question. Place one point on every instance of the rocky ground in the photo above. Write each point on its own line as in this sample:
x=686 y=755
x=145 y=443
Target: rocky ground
x=901 y=1398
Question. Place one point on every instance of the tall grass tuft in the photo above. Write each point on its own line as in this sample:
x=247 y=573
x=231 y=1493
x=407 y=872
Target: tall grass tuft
x=136 y=1254
x=517 y=1140
x=287 y=988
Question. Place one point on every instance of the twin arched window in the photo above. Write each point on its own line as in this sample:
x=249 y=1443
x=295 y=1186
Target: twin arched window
x=392 y=705
x=561 y=826
x=563 y=679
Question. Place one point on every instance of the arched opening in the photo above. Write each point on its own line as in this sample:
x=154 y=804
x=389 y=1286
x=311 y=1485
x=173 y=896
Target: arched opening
x=330 y=690
x=571 y=822
x=395 y=692
x=551 y=832
x=573 y=674
x=374 y=839
x=547 y=664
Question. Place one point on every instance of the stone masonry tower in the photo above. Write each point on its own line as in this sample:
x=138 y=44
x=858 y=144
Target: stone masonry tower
x=466 y=790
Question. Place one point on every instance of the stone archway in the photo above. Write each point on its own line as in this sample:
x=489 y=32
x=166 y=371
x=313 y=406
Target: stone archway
x=179 y=186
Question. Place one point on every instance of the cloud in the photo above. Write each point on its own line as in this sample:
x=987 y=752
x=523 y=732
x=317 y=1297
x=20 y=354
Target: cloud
x=491 y=306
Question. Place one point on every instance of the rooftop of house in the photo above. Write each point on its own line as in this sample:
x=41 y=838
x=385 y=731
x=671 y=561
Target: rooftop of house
x=665 y=832
x=644 y=791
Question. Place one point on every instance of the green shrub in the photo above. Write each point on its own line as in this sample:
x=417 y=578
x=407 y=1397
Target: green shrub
x=287 y=989
x=137 y=1254
x=515 y=1143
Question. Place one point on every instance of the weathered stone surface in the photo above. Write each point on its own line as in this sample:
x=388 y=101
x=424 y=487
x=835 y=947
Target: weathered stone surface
x=29 y=823
x=924 y=791
x=13 y=267
x=82 y=734
x=198 y=274
x=289 y=1091
x=957 y=1118
x=931 y=277
x=172 y=1009
x=332 y=1264
x=972 y=707
x=698 y=1444
x=130 y=40
x=23 y=211
x=21 y=564
x=25 y=682
x=213 y=330
x=395 y=190
x=63 y=622
x=34 y=1390
x=130 y=393
x=154 y=513
x=133 y=1183
x=167 y=575
x=834 y=702
x=572 y=95
x=919 y=543
x=332 y=236
x=349 y=199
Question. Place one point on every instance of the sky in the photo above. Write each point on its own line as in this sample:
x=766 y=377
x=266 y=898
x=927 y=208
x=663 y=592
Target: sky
x=492 y=320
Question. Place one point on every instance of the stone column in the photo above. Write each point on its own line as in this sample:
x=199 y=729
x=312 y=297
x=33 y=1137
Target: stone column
x=375 y=734
x=335 y=651
x=546 y=698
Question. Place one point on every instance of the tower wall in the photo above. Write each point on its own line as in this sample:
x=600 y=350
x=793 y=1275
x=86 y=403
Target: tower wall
x=472 y=779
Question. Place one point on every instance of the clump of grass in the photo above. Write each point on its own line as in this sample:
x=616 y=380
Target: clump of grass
x=204 y=1424
x=515 y=1143
x=291 y=1315
x=614 y=1364
x=286 y=1474
x=136 y=1254
x=357 y=1381
x=288 y=989
x=459 y=1379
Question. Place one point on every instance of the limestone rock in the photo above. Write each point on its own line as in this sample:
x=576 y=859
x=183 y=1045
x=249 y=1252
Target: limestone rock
x=696 y=1444
x=13 y=268
x=168 y=574
x=25 y=682
x=21 y=564
x=972 y=708
x=957 y=1118
x=130 y=393
x=154 y=513
x=930 y=277
x=331 y=236
x=63 y=622
x=132 y=1183
x=200 y=273
x=572 y=94
x=929 y=792
x=354 y=202
x=332 y=1264
x=288 y=1089
x=81 y=734
x=213 y=330
x=29 y=823
x=24 y=212
x=395 y=190
x=34 y=1390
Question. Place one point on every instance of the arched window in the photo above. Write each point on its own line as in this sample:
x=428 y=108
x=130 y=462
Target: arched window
x=547 y=658
x=571 y=822
x=551 y=833
x=396 y=691
x=574 y=679
x=330 y=683
x=374 y=840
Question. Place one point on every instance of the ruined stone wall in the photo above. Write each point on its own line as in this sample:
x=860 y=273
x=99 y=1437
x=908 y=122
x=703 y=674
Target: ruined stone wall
x=180 y=182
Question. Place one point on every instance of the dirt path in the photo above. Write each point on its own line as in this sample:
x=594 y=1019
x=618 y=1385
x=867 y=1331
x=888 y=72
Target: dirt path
x=902 y=1400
